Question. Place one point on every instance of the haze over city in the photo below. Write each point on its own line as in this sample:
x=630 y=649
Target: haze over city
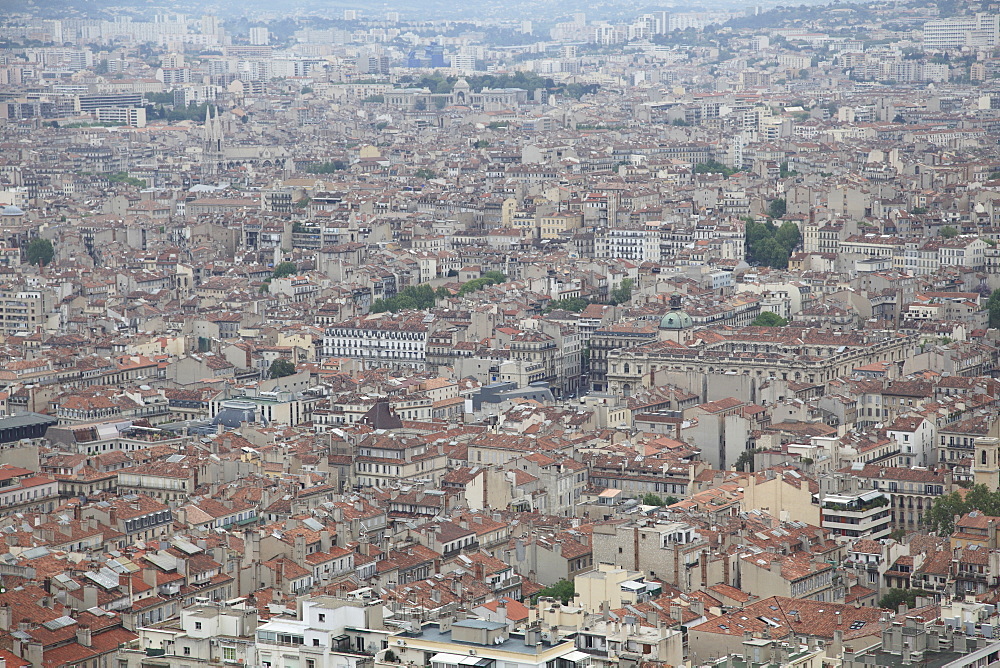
x=499 y=335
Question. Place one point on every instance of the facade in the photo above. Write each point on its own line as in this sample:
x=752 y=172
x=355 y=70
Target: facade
x=388 y=340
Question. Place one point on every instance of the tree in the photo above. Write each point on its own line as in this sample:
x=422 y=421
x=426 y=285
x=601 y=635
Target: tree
x=574 y=304
x=993 y=306
x=650 y=499
x=713 y=167
x=562 y=590
x=281 y=367
x=745 y=461
x=39 y=251
x=769 y=245
x=777 y=208
x=623 y=293
x=894 y=597
x=283 y=269
x=769 y=319
x=941 y=515
x=948 y=232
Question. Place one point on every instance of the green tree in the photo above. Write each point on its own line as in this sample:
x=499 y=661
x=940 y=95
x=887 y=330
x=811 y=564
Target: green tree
x=894 y=597
x=623 y=293
x=769 y=319
x=562 y=590
x=948 y=232
x=283 y=269
x=993 y=306
x=424 y=173
x=39 y=251
x=769 y=245
x=777 y=208
x=489 y=278
x=123 y=177
x=714 y=167
x=941 y=515
x=281 y=367
x=574 y=304
x=326 y=167
x=745 y=461
x=650 y=499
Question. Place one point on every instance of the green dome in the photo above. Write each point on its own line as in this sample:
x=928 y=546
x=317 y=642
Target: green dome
x=676 y=320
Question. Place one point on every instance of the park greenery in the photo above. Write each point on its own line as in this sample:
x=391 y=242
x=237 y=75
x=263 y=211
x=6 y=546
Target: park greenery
x=439 y=84
x=284 y=269
x=623 y=293
x=769 y=319
x=993 y=306
x=944 y=510
x=281 y=367
x=476 y=284
x=326 y=167
x=770 y=245
x=39 y=251
x=409 y=298
x=714 y=167
x=123 y=177
x=574 y=304
x=650 y=499
x=777 y=208
x=563 y=591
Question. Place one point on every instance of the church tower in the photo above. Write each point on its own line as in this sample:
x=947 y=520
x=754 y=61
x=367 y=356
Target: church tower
x=212 y=142
x=986 y=467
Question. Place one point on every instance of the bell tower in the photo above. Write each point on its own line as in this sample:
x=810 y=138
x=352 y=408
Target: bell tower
x=986 y=467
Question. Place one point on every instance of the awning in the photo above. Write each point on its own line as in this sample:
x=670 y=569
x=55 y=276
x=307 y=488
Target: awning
x=444 y=657
x=576 y=656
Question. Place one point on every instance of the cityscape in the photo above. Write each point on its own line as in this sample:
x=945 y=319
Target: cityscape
x=508 y=335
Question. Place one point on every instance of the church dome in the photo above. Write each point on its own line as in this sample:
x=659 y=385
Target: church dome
x=12 y=210
x=676 y=320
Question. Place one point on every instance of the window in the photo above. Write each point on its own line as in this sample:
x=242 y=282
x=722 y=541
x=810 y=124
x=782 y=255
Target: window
x=228 y=653
x=197 y=626
x=322 y=617
x=187 y=651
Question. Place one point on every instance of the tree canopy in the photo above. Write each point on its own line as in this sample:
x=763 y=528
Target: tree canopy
x=574 y=304
x=941 y=516
x=894 y=597
x=769 y=319
x=777 y=208
x=39 y=251
x=623 y=293
x=770 y=245
x=562 y=590
x=714 y=167
x=489 y=278
x=993 y=306
x=409 y=298
x=281 y=367
x=283 y=270
x=650 y=499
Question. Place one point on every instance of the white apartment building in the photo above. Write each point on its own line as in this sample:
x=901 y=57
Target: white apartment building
x=327 y=633
x=381 y=340
x=981 y=30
